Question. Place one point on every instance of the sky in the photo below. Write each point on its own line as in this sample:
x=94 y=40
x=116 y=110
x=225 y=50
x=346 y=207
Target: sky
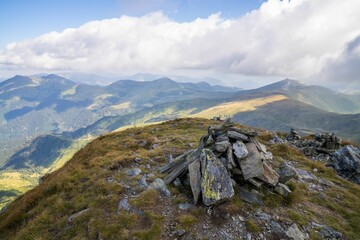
x=241 y=42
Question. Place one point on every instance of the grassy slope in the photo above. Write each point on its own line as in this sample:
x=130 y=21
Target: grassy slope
x=286 y=114
x=42 y=213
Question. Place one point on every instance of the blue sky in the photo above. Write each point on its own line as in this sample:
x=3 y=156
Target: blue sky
x=23 y=19
x=308 y=40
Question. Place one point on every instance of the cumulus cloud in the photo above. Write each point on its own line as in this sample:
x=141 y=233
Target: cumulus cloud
x=298 y=38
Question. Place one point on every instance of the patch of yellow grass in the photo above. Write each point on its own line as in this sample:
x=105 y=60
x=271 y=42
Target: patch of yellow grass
x=70 y=91
x=231 y=108
x=15 y=180
x=120 y=106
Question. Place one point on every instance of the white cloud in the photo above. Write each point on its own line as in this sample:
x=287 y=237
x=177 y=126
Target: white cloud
x=297 y=38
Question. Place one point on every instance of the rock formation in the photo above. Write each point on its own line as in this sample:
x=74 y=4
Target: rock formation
x=227 y=156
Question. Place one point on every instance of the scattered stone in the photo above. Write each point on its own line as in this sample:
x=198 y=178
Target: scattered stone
x=276 y=228
x=185 y=206
x=293 y=232
x=3 y=210
x=142 y=182
x=286 y=173
x=250 y=197
x=159 y=185
x=180 y=232
x=294 y=135
x=240 y=150
x=124 y=205
x=133 y=172
x=329 y=233
x=346 y=162
x=282 y=189
x=76 y=215
x=215 y=183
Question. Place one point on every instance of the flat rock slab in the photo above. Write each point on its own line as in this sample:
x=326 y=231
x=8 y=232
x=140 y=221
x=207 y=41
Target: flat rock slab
x=252 y=165
x=282 y=189
x=195 y=179
x=250 y=197
x=269 y=175
x=216 y=183
x=237 y=136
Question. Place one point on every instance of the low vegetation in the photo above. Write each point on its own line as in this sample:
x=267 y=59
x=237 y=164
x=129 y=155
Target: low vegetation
x=95 y=179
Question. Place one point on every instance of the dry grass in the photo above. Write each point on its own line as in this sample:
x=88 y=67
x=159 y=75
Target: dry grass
x=231 y=108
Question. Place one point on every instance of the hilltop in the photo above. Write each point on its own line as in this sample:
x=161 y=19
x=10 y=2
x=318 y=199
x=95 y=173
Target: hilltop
x=85 y=198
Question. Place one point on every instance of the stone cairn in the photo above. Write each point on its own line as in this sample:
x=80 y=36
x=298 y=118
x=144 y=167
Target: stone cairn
x=227 y=156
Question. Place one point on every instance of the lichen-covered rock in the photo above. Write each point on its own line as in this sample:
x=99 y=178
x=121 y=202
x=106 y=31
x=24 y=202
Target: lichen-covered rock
x=215 y=182
x=252 y=165
x=240 y=150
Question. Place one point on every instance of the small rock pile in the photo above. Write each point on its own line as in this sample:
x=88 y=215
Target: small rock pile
x=318 y=148
x=227 y=156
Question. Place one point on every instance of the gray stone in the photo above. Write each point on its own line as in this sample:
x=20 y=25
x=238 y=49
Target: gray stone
x=133 y=172
x=293 y=232
x=142 y=182
x=252 y=165
x=263 y=216
x=185 y=206
x=124 y=205
x=255 y=182
x=230 y=158
x=195 y=179
x=209 y=141
x=177 y=182
x=180 y=232
x=3 y=210
x=276 y=228
x=76 y=215
x=282 y=189
x=222 y=138
x=346 y=162
x=215 y=183
x=329 y=233
x=159 y=185
x=251 y=197
x=222 y=146
x=240 y=150
x=236 y=171
x=286 y=173
x=237 y=136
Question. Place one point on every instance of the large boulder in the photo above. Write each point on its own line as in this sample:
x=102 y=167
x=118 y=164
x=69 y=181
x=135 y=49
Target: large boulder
x=215 y=183
x=346 y=162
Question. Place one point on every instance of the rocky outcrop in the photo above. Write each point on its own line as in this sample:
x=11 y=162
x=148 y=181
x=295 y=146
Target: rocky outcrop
x=226 y=157
x=346 y=162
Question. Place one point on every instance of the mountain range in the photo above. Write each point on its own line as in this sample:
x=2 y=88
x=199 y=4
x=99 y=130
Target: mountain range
x=46 y=119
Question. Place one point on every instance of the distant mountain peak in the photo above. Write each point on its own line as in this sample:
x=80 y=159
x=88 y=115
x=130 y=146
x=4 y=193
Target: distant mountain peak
x=283 y=85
